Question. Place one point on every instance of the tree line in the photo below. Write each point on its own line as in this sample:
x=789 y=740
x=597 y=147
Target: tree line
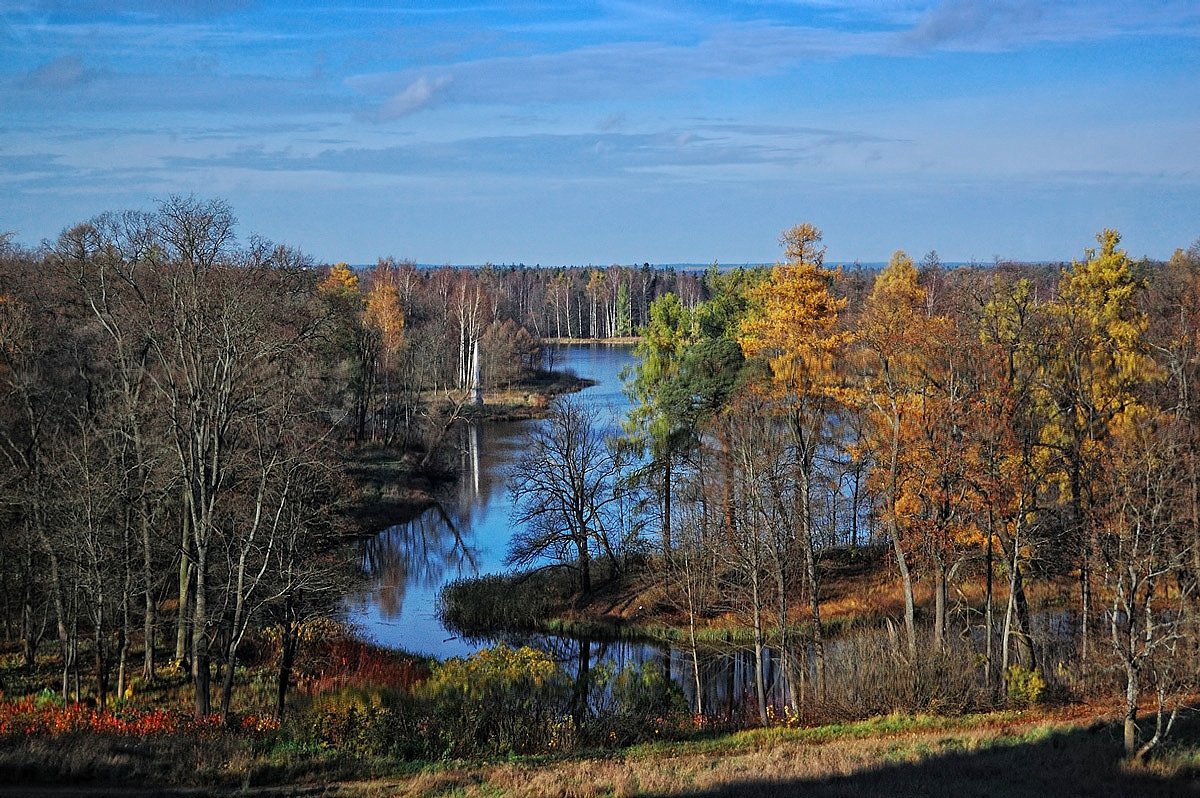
x=1011 y=427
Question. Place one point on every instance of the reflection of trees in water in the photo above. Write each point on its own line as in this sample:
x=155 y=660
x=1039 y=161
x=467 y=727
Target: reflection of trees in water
x=485 y=451
x=726 y=674
x=439 y=545
x=416 y=553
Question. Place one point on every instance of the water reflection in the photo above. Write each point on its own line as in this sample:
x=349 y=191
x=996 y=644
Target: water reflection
x=723 y=689
x=467 y=532
x=419 y=553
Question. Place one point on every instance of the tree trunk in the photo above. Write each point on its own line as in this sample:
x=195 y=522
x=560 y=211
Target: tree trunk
x=910 y=627
x=1083 y=540
x=60 y=608
x=1017 y=622
x=760 y=688
x=288 y=643
x=939 y=603
x=989 y=620
x=585 y=562
x=149 y=611
x=122 y=660
x=99 y=656
x=227 y=681
x=185 y=584
x=1131 y=708
x=666 y=505
x=695 y=661
x=200 y=666
x=814 y=593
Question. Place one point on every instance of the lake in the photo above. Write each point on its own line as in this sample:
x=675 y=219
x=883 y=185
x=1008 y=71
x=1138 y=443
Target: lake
x=467 y=532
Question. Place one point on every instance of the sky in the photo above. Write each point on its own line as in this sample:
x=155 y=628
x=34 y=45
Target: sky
x=613 y=131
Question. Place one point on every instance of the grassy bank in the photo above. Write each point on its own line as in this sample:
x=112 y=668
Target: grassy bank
x=1002 y=755
x=995 y=756
x=623 y=340
x=528 y=400
x=368 y=722
x=860 y=591
x=389 y=487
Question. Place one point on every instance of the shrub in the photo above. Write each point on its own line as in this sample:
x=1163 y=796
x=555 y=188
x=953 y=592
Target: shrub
x=635 y=703
x=498 y=701
x=483 y=604
x=1023 y=686
x=867 y=676
x=339 y=660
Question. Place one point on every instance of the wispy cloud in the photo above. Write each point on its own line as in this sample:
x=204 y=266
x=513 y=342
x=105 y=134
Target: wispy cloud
x=770 y=99
x=30 y=164
x=419 y=94
x=567 y=156
x=726 y=49
x=622 y=69
x=170 y=9
x=1016 y=24
x=94 y=91
x=61 y=73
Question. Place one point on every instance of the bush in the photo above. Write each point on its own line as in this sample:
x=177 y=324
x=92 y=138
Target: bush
x=634 y=704
x=1024 y=687
x=481 y=605
x=868 y=677
x=498 y=701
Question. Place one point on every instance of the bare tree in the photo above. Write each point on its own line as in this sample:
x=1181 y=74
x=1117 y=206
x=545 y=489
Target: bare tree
x=1143 y=559
x=104 y=259
x=565 y=488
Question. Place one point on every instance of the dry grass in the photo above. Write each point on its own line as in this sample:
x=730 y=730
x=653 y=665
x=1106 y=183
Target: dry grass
x=1027 y=754
x=624 y=340
x=998 y=755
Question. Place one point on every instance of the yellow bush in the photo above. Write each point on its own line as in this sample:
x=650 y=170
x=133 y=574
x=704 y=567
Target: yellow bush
x=1024 y=686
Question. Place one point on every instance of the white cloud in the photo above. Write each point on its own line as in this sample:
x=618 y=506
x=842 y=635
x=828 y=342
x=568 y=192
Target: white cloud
x=415 y=96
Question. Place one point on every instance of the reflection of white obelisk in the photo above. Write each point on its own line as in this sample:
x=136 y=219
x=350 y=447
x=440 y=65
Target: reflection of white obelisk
x=473 y=447
x=476 y=383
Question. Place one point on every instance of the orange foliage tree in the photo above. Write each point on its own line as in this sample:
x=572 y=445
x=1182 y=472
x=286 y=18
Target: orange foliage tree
x=793 y=325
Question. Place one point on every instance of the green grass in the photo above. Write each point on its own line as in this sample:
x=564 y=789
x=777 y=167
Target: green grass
x=881 y=726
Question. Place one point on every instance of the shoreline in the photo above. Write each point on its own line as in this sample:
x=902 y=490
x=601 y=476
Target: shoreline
x=624 y=340
x=392 y=488
x=632 y=606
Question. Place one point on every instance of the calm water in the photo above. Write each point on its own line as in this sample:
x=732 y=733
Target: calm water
x=467 y=533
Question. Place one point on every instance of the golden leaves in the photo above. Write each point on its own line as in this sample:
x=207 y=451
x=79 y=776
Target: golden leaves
x=341 y=281
x=793 y=320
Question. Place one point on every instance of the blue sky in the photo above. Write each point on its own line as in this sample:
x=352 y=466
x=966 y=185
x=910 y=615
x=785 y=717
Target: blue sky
x=613 y=132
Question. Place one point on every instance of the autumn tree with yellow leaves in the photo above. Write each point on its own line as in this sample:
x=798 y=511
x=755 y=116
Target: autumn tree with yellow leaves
x=1092 y=379
x=892 y=330
x=793 y=325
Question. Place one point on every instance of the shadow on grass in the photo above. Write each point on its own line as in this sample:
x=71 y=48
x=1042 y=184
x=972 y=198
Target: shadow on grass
x=1084 y=762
